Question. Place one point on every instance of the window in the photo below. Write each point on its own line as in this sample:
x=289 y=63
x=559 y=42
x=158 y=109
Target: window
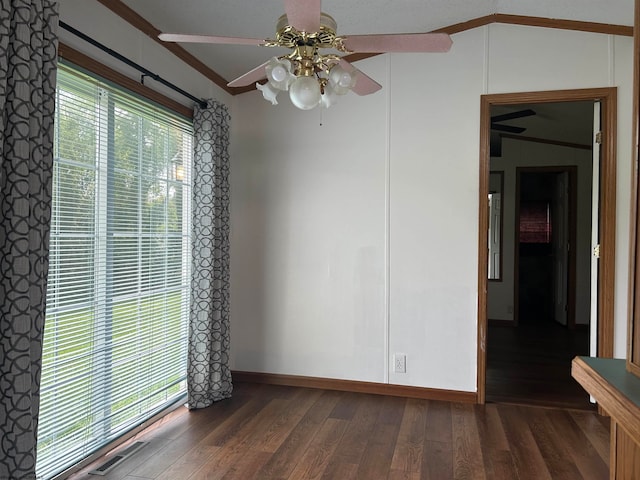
x=535 y=222
x=118 y=291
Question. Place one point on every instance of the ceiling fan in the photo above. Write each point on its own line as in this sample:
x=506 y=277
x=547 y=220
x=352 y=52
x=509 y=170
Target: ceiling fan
x=495 y=125
x=311 y=77
x=495 y=148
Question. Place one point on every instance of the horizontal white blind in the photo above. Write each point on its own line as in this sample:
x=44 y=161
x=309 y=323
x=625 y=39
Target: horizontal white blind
x=118 y=289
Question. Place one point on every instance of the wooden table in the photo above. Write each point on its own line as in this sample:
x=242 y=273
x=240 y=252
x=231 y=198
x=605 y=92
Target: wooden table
x=618 y=393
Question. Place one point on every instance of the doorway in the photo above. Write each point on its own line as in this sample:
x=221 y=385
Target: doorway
x=546 y=218
x=563 y=317
x=529 y=357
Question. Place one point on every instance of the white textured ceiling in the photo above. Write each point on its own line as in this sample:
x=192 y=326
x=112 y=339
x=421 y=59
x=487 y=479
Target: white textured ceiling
x=257 y=19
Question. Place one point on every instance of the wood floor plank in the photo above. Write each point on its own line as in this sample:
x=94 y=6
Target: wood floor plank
x=498 y=462
x=353 y=443
x=407 y=456
x=437 y=453
x=287 y=456
x=164 y=458
x=250 y=466
x=343 y=471
x=199 y=423
x=468 y=463
x=528 y=460
x=189 y=463
x=233 y=423
x=597 y=433
x=439 y=427
x=315 y=460
x=581 y=450
x=286 y=421
x=346 y=407
x=402 y=475
x=553 y=448
x=437 y=460
x=235 y=447
x=378 y=454
x=392 y=410
x=377 y=457
x=186 y=421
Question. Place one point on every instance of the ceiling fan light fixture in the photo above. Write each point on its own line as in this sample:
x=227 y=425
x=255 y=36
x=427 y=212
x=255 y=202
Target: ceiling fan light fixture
x=269 y=93
x=341 y=80
x=329 y=97
x=304 y=93
x=279 y=73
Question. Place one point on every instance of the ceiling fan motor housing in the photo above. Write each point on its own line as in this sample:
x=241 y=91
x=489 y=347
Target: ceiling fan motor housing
x=289 y=37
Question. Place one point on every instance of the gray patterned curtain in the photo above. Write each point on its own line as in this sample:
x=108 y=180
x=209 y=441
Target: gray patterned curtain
x=208 y=374
x=28 y=60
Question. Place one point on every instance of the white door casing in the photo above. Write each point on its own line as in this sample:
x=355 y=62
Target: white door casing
x=595 y=230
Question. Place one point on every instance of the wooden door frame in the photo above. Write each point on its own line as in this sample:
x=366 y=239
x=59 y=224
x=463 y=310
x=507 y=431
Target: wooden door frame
x=572 y=172
x=607 y=217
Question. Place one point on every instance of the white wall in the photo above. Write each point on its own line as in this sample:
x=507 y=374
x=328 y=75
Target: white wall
x=308 y=237
x=358 y=238
x=500 y=294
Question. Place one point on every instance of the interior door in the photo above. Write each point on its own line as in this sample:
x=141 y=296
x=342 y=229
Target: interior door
x=595 y=229
x=560 y=246
x=494 y=234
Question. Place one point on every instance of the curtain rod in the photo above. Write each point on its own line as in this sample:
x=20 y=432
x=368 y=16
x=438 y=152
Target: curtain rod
x=131 y=63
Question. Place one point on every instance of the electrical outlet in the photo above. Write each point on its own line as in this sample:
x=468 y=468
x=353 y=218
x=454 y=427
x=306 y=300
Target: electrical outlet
x=400 y=363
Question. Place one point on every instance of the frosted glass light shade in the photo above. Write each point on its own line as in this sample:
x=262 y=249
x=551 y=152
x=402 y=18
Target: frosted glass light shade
x=341 y=80
x=268 y=92
x=329 y=97
x=305 y=93
x=279 y=73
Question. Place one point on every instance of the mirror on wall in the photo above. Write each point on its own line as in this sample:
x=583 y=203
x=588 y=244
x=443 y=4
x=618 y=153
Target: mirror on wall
x=496 y=189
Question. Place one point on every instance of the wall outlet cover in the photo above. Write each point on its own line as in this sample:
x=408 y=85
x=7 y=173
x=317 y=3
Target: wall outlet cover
x=400 y=363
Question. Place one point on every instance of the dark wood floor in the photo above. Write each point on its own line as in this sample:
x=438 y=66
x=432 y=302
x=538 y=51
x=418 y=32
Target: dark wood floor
x=531 y=364
x=274 y=432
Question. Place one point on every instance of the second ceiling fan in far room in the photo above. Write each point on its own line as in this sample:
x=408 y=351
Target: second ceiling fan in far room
x=495 y=147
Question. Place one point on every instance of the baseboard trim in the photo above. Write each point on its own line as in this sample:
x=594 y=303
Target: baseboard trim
x=355 y=386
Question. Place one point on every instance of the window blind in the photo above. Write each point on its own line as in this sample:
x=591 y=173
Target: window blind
x=115 y=335
x=535 y=222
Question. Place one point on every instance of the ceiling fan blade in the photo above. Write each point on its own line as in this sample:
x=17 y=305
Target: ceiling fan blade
x=401 y=42
x=365 y=85
x=303 y=15
x=184 y=38
x=513 y=115
x=507 y=128
x=250 y=77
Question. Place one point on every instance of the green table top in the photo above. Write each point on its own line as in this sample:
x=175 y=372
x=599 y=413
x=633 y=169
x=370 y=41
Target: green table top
x=615 y=372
